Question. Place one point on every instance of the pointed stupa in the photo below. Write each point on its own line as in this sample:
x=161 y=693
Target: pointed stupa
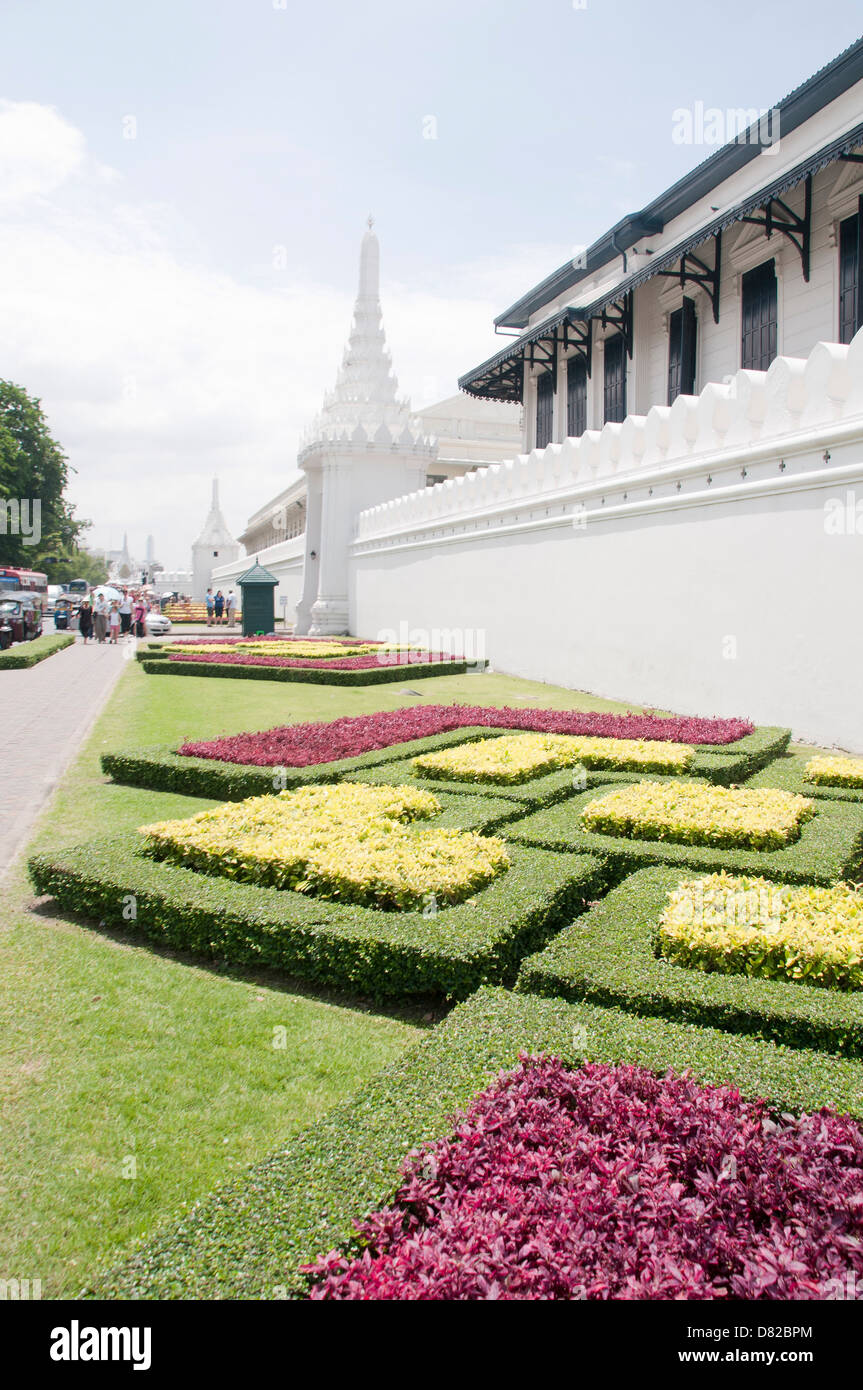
x=365 y=396
x=215 y=532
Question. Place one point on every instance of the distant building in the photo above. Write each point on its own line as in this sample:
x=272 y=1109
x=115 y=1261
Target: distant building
x=363 y=448
x=214 y=547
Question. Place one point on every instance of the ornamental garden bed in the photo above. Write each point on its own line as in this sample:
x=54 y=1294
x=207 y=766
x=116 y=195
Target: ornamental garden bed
x=28 y=654
x=789 y=771
x=253 y=1237
x=445 y=950
x=829 y=845
x=611 y=957
x=351 y=671
x=242 y=764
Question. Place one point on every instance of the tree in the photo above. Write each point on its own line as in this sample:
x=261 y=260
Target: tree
x=80 y=564
x=37 y=523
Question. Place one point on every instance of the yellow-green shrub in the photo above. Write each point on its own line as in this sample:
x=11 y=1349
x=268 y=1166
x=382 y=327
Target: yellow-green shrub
x=351 y=842
x=696 y=813
x=769 y=930
x=827 y=770
x=515 y=758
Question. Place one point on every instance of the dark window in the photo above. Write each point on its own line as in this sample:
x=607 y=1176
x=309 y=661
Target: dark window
x=758 y=343
x=544 y=409
x=614 y=386
x=576 y=397
x=849 y=276
x=682 y=328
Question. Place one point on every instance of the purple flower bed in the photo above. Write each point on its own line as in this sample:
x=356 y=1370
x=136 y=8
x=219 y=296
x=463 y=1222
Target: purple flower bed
x=304 y=745
x=332 y=663
x=609 y=1183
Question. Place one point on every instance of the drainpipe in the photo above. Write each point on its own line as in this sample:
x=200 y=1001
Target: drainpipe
x=620 y=251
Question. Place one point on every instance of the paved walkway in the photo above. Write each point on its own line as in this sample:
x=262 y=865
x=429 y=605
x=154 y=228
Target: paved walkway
x=45 y=714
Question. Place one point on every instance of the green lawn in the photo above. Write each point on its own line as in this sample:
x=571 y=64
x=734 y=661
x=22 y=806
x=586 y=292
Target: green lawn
x=113 y=1052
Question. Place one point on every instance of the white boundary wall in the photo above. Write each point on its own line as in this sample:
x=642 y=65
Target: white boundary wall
x=705 y=558
x=284 y=560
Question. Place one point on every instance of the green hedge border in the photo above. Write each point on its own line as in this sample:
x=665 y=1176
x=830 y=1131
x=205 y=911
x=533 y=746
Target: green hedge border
x=830 y=845
x=28 y=654
x=384 y=954
x=249 y=1238
x=787 y=772
x=371 y=675
x=159 y=768
x=610 y=958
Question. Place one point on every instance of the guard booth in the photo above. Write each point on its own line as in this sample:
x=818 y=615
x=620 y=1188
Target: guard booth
x=257 y=588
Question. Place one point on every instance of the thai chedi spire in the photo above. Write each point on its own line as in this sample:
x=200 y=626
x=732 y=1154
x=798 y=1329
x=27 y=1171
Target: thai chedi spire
x=364 y=405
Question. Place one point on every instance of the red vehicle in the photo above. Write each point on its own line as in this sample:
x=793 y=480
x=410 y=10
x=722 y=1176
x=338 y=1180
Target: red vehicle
x=23 y=595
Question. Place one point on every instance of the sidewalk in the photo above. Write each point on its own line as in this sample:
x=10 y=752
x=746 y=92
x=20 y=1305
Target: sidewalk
x=45 y=714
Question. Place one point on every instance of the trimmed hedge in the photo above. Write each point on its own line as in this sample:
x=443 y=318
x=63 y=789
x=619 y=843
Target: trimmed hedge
x=830 y=845
x=787 y=773
x=610 y=958
x=161 y=769
x=382 y=953
x=249 y=1238
x=373 y=675
x=28 y=654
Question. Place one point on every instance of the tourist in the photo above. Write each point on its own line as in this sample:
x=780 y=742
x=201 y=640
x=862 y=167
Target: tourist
x=230 y=607
x=125 y=611
x=219 y=606
x=139 y=612
x=210 y=602
x=85 y=619
x=100 y=617
x=114 y=622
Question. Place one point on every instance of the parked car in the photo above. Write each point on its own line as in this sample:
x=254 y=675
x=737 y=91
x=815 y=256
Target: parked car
x=156 y=624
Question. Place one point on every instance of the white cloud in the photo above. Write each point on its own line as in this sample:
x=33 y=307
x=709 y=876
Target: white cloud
x=157 y=372
x=38 y=150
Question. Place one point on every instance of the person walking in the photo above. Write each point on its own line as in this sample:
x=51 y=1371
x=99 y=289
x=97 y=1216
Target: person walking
x=100 y=617
x=125 y=611
x=211 y=603
x=85 y=619
x=114 y=622
x=139 y=613
x=219 y=607
x=230 y=607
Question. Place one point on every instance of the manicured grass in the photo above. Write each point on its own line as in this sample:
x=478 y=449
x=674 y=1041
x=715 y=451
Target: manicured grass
x=249 y=1239
x=111 y=1049
x=787 y=772
x=609 y=957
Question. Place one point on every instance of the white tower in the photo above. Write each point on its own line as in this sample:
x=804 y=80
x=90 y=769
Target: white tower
x=364 y=447
x=215 y=546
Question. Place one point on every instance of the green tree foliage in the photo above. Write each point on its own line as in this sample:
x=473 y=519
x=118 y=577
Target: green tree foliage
x=33 y=469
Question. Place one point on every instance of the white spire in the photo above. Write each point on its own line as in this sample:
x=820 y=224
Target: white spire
x=364 y=403
x=215 y=530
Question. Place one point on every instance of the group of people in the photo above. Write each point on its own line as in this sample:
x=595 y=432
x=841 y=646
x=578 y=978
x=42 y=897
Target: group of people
x=108 y=620
x=219 y=608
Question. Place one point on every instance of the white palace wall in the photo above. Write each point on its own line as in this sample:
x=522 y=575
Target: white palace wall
x=705 y=558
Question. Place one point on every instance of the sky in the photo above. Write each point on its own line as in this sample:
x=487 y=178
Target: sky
x=184 y=185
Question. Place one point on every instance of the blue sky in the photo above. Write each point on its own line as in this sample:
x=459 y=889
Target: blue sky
x=259 y=127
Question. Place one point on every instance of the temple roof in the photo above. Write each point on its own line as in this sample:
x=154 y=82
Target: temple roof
x=215 y=532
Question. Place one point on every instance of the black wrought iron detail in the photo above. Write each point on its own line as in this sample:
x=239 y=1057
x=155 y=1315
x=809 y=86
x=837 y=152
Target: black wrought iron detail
x=778 y=217
x=619 y=315
x=694 y=270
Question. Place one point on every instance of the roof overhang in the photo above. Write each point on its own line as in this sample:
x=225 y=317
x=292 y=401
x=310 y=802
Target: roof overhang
x=500 y=376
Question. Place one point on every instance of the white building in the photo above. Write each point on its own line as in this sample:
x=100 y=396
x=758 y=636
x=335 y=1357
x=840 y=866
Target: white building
x=684 y=526
x=753 y=254
x=214 y=547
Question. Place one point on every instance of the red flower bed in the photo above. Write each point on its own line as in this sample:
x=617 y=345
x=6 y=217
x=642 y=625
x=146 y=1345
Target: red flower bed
x=303 y=745
x=227 y=637
x=333 y=663
x=607 y=1182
